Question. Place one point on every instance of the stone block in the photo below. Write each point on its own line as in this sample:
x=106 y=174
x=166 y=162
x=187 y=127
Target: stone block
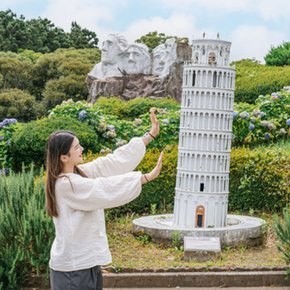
x=201 y=248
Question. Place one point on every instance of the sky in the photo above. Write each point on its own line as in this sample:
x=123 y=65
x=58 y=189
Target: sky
x=253 y=26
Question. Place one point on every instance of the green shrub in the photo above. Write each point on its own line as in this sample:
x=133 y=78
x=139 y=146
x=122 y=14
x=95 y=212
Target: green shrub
x=282 y=229
x=254 y=79
x=63 y=62
x=134 y=108
x=259 y=179
x=15 y=70
x=26 y=232
x=7 y=127
x=63 y=88
x=29 y=140
x=18 y=104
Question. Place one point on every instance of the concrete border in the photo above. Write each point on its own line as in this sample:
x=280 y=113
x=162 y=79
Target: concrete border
x=196 y=279
x=146 y=279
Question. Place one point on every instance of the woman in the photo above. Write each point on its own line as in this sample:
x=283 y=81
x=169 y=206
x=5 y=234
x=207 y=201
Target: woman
x=76 y=196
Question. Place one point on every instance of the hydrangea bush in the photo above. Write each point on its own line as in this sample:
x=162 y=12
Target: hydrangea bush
x=114 y=132
x=266 y=120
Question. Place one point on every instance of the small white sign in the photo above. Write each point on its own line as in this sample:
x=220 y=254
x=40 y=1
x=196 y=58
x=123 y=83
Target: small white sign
x=207 y=244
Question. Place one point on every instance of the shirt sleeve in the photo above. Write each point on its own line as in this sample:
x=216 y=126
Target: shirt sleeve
x=88 y=194
x=124 y=159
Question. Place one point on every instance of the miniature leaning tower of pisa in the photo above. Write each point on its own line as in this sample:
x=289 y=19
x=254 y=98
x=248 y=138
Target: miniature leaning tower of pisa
x=202 y=182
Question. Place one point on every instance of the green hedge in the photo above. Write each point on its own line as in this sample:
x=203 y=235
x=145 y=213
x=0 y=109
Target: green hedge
x=258 y=180
x=254 y=79
x=133 y=108
x=29 y=140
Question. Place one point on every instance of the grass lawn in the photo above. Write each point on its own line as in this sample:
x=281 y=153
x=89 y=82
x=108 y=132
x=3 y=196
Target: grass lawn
x=129 y=251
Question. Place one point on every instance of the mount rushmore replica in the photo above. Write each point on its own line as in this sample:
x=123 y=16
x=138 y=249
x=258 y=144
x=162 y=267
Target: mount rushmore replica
x=130 y=70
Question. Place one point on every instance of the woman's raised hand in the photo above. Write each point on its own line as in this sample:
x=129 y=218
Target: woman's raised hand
x=155 y=172
x=154 y=131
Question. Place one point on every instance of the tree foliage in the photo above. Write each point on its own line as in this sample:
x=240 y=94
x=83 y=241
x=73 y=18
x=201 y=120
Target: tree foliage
x=18 y=104
x=153 y=39
x=279 y=55
x=40 y=35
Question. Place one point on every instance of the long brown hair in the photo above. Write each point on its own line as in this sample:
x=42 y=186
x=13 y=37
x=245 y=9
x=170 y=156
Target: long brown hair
x=59 y=143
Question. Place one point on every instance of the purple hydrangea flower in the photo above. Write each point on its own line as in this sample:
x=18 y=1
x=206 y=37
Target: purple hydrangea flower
x=83 y=115
x=7 y=122
x=274 y=96
x=8 y=142
x=288 y=122
x=251 y=127
x=1 y=138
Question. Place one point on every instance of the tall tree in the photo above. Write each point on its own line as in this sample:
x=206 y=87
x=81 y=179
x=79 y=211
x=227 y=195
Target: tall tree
x=279 y=55
x=82 y=37
x=153 y=39
x=40 y=35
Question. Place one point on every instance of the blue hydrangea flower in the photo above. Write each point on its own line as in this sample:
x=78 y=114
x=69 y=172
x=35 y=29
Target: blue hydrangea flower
x=267 y=136
x=251 y=127
x=8 y=142
x=288 y=122
x=235 y=114
x=83 y=115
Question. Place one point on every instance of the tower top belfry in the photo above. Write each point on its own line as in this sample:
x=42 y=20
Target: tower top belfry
x=213 y=52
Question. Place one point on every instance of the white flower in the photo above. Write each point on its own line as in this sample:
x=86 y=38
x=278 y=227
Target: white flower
x=121 y=143
x=111 y=127
x=137 y=122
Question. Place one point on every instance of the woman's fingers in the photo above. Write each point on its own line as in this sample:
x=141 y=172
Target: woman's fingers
x=159 y=163
x=153 y=117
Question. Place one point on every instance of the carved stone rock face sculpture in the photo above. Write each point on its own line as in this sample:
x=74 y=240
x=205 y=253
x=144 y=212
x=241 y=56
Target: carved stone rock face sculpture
x=137 y=59
x=164 y=55
x=113 y=55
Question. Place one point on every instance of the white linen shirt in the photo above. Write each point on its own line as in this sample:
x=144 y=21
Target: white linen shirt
x=80 y=233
